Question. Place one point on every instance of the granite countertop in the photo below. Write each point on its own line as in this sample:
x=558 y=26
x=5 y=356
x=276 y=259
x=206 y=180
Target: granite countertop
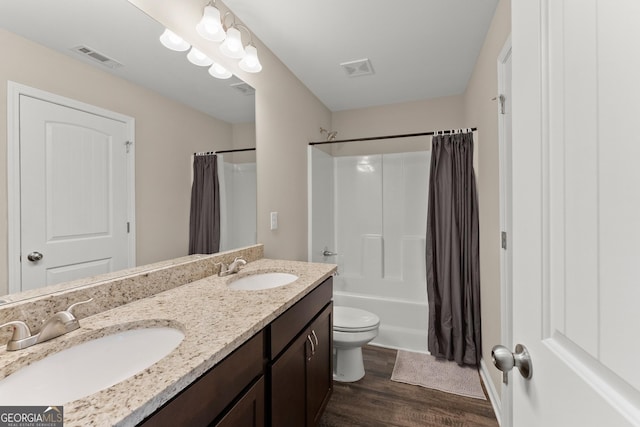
x=214 y=319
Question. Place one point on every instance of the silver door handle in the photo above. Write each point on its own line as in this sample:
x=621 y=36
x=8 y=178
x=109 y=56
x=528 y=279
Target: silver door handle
x=505 y=360
x=35 y=256
x=328 y=253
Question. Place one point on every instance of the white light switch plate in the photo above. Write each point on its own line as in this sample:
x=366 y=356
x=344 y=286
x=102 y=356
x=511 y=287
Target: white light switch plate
x=274 y=220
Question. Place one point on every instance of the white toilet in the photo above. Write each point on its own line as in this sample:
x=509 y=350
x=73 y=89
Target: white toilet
x=352 y=328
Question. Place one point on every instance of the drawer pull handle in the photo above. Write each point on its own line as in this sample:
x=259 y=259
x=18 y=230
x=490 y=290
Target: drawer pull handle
x=315 y=337
x=313 y=347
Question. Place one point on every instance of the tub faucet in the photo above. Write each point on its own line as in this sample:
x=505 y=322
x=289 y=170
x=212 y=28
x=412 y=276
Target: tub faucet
x=59 y=324
x=232 y=268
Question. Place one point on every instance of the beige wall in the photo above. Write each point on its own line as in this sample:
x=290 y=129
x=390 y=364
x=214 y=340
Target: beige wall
x=167 y=133
x=409 y=117
x=482 y=111
x=244 y=136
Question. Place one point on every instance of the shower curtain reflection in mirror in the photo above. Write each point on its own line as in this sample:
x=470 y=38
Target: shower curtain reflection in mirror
x=204 y=217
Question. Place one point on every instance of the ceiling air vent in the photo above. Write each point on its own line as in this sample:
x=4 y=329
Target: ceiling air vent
x=360 y=67
x=243 y=88
x=91 y=54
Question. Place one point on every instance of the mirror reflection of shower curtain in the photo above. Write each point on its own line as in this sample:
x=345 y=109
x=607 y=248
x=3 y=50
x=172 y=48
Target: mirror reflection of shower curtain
x=237 y=202
x=204 y=218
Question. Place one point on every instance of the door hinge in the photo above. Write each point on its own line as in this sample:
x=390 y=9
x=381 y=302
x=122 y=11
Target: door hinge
x=503 y=239
x=502 y=100
x=128 y=227
x=128 y=145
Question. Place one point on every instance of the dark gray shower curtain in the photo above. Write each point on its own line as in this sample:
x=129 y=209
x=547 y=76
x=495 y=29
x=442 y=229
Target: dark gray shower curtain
x=204 y=219
x=452 y=252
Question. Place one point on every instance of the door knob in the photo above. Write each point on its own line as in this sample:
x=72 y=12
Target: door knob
x=35 y=256
x=505 y=360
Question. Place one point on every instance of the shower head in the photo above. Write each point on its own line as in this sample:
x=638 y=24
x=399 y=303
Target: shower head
x=331 y=135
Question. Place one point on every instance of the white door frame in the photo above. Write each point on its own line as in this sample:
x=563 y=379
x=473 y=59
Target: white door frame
x=506 y=310
x=14 y=91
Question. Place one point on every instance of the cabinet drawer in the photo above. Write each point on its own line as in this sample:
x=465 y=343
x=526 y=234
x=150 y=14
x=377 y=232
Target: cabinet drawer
x=286 y=327
x=205 y=399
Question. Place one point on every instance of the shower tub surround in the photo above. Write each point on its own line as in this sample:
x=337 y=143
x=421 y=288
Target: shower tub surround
x=215 y=320
x=238 y=198
x=372 y=211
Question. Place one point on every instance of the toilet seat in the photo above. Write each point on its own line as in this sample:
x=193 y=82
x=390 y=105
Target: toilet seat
x=349 y=319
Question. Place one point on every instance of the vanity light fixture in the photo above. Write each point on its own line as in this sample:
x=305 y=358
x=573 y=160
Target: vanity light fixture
x=210 y=26
x=196 y=57
x=219 y=72
x=172 y=41
x=213 y=27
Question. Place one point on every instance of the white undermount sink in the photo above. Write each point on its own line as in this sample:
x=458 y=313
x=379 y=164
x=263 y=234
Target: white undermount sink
x=259 y=281
x=88 y=367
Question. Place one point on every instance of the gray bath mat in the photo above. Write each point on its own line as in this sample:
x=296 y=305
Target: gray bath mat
x=427 y=371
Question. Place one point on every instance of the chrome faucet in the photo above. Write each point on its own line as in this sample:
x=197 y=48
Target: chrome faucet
x=232 y=268
x=59 y=324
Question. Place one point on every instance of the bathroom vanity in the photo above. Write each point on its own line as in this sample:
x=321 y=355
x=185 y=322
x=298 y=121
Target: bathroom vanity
x=248 y=357
x=294 y=354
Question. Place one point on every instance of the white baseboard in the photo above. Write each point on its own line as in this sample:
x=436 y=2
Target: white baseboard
x=494 y=395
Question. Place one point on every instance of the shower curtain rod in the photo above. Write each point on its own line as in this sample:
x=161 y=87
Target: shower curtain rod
x=210 y=153
x=406 y=135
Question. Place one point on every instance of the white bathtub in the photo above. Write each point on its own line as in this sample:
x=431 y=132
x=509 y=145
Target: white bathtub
x=403 y=323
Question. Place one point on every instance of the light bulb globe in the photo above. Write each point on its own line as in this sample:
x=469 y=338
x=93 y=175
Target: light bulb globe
x=250 y=63
x=210 y=26
x=172 y=41
x=232 y=45
x=196 y=57
x=219 y=72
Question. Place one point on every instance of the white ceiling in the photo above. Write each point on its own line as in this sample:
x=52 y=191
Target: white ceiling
x=119 y=30
x=418 y=49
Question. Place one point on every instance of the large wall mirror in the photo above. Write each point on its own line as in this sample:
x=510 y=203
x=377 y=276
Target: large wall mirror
x=116 y=37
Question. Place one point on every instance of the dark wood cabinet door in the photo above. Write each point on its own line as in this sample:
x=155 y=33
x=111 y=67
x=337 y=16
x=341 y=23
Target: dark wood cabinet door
x=320 y=366
x=288 y=384
x=248 y=411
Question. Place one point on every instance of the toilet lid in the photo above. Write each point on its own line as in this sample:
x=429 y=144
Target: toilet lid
x=349 y=319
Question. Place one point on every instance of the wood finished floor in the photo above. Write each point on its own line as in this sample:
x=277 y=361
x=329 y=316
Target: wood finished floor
x=376 y=401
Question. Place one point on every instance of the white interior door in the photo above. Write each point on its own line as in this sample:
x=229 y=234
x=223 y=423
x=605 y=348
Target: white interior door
x=73 y=193
x=506 y=180
x=576 y=211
